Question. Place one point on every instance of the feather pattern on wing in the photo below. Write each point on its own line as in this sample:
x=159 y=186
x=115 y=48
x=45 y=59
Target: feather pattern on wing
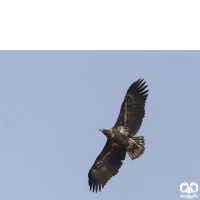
x=105 y=166
x=132 y=109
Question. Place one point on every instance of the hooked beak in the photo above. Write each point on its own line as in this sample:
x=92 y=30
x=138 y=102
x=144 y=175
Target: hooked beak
x=101 y=130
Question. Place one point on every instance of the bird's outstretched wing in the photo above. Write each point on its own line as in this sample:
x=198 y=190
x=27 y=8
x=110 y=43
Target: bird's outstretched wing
x=105 y=166
x=132 y=109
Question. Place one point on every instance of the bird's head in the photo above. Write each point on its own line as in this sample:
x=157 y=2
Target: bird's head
x=105 y=132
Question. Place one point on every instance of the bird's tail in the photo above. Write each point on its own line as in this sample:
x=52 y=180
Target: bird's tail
x=136 y=147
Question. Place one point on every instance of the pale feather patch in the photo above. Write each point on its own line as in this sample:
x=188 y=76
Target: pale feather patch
x=122 y=130
x=132 y=143
x=104 y=168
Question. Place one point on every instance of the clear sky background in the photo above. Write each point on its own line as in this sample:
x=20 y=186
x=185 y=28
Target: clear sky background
x=54 y=102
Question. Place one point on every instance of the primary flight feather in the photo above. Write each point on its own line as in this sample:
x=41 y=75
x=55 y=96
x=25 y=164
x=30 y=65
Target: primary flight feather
x=120 y=138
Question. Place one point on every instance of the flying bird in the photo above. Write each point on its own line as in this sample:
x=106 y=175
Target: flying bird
x=120 y=138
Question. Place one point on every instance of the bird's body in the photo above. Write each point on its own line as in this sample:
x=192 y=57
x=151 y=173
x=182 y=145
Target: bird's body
x=120 y=138
x=116 y=138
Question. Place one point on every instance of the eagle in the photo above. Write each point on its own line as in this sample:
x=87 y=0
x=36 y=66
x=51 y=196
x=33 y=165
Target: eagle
x=120 y=138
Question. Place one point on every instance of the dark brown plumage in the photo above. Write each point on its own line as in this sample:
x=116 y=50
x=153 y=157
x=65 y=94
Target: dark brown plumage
x=120 y=139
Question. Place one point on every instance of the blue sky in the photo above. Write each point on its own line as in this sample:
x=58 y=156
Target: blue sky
x=54 y=102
